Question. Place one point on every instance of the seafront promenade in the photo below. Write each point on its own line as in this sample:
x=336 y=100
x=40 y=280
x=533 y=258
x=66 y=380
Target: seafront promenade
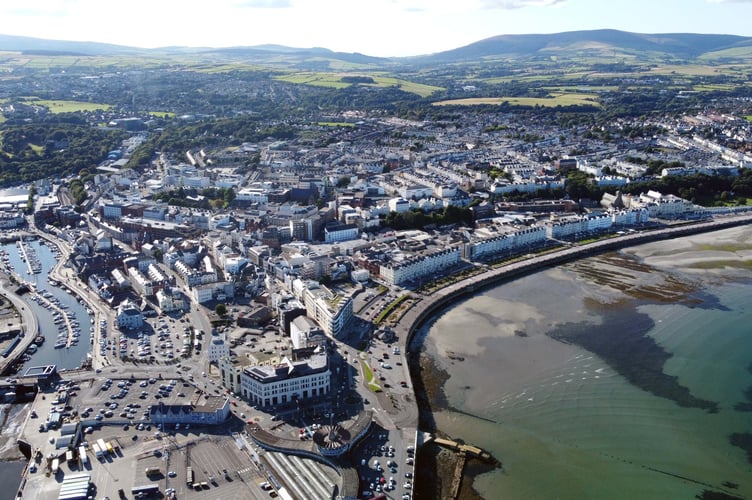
x=425 y=307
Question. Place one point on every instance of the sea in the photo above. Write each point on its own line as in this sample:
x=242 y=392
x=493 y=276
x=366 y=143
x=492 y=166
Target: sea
x=621 y=376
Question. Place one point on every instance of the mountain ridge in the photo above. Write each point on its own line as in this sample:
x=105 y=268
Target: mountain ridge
x=574 y=43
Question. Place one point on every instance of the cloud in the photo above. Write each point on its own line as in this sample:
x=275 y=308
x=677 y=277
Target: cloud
x=519 y=4
x=264 y=4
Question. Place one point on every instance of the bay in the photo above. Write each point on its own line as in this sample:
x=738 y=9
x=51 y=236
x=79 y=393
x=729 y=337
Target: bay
x=645 y=411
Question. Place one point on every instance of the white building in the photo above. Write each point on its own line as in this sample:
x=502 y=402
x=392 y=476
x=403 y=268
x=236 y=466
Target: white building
x=218 y=348
x=419 y=266
x=340 y=232
x=329 y=310
x=170 y=300
x=129 y=315
x=265 y=385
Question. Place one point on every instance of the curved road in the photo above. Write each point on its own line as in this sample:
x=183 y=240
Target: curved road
x=426 y=306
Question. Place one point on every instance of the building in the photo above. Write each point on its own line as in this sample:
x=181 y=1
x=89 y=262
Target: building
x=336 y=231
x=218 y=348
x=203 y=409
x=230 y=371
x=329 y=310
x=129 y=315
x=288 y=381
x=420 y=266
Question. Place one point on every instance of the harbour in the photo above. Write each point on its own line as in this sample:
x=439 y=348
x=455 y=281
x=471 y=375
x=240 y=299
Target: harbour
x=63 y=322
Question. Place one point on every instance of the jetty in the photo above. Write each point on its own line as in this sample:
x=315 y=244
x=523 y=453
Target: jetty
x=464 y=453
x=25 y=256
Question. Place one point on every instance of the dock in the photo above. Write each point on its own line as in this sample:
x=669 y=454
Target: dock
x=64 y=314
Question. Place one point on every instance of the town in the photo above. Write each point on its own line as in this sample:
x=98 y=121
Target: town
x=249 y=303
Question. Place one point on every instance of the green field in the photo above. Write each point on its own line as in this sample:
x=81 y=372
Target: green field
x=335 y=124
x=564 y=99
x=334 y=80
x=748 y=118
x=69 y=106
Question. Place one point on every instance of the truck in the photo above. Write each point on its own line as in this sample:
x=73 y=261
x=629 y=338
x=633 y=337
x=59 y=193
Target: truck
x=55 y=465
x=189 y=476
x=82 y=455
x=110 y=449
x=97 y=451
x=102 y=446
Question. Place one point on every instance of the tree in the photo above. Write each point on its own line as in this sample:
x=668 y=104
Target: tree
x=221 y=309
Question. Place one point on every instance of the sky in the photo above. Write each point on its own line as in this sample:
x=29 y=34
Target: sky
x=383 y=28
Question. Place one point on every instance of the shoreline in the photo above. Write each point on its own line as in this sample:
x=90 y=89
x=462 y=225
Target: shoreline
x=428 y=379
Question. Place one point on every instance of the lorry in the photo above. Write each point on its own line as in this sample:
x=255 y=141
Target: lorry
x=82 y=456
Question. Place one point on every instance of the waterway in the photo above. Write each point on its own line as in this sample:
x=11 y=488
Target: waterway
x=619 y=376
x=46 y=354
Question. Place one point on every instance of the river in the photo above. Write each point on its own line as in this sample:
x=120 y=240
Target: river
x=626 y=375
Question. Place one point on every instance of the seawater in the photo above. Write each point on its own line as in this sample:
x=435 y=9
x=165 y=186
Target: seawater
x=46 y=353
x=563 y=422
x=10 y=472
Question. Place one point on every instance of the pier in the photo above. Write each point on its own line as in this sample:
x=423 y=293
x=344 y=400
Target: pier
x=45 y=302
x=25 y=256
x=464 y=452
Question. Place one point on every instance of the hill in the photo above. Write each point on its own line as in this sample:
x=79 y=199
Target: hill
x=593 y=43
x=682 y=46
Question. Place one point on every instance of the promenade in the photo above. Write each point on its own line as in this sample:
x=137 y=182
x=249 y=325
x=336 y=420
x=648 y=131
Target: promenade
x=427 y=306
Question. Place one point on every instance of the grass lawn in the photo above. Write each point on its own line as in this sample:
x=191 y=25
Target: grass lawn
x=70 y=106
x=556 y=99
x=369 y=377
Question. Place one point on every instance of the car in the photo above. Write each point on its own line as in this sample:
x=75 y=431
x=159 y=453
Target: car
x=172 y=473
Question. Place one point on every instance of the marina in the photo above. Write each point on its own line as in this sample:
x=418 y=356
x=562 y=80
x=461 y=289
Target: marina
x=63 y=321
